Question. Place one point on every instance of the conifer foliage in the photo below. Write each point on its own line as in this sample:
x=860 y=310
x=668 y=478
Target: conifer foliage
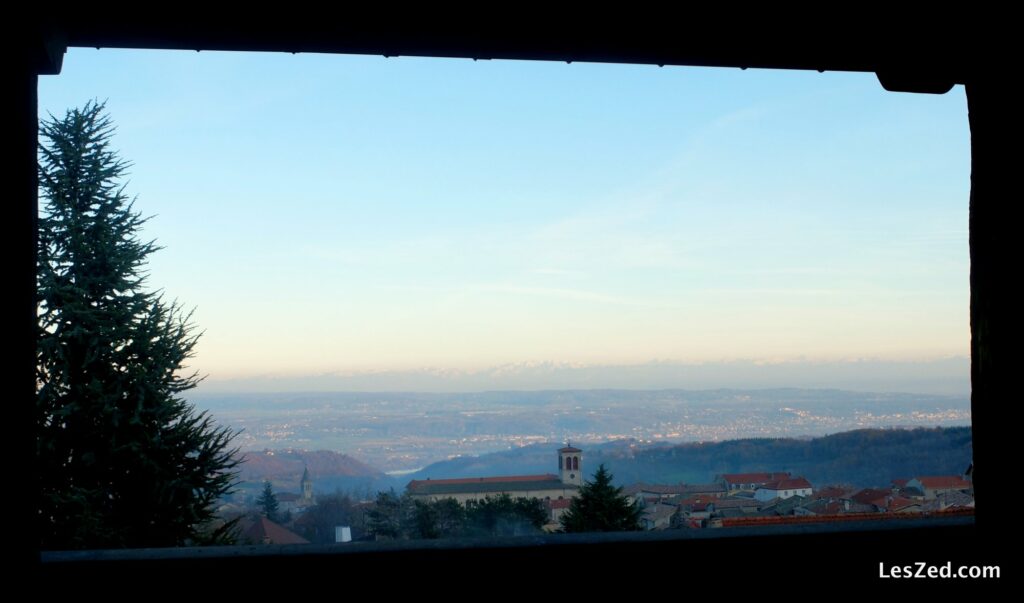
x=601 y=507
x=123 y=459
x=267 y=501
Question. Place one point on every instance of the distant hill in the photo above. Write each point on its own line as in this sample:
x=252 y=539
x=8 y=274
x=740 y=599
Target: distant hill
x=866 y=457
x=532 y=459
x=329 y=470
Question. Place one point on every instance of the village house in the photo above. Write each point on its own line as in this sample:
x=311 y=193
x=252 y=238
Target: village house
x=947 y=501
x=654 y=493
x=657 y=516
x=260 y=530
x=934 y=485
x=783 y=488
x=735 y=482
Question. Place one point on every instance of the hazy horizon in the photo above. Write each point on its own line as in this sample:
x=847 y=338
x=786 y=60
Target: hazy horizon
x=950 y=376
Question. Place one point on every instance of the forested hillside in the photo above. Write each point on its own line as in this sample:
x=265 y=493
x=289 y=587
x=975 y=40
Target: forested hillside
x=863 y=457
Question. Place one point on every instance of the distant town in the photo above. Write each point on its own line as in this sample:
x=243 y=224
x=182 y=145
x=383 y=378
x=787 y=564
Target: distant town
x=400 y=433
x=341 y=467
x=524 y=504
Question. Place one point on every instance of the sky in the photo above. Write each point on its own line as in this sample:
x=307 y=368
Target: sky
x=352 y=215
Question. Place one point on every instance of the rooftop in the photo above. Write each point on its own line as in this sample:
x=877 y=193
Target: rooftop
x=944 y=481
x=264 y=531
x=788 y=484
x=871 y=496
x=508 y=483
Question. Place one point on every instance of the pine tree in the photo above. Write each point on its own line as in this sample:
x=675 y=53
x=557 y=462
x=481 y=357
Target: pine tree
x=124 y=461
x=331 y=510
x=502 y=515
x=267 y=502
x=389 y=516
x=601 y=507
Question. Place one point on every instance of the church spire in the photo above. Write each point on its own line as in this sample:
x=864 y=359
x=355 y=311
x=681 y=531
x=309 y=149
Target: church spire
x=307 y=485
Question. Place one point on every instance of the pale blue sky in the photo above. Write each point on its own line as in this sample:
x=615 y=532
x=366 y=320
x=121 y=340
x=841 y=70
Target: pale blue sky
x=351 y=213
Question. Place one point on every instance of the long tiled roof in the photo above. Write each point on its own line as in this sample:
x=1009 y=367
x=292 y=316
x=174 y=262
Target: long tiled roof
x=944 y=481
x=507 y=483
x=788 y=484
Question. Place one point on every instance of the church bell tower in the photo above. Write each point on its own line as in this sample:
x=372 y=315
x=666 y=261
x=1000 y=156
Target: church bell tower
x=569 y=465
x=307 y=486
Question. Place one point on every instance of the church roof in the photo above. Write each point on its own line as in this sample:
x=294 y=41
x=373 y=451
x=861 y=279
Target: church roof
x=569 y=449
x=505 y=483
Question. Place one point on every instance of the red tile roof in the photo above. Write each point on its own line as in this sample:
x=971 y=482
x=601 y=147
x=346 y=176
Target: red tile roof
x=699 y=499
x=264 y=531
x=569 y=449
x=942 y=482
x=795 y=483
x=482 y=480
x=900 y=502
x=900 y=483
x=872 y=496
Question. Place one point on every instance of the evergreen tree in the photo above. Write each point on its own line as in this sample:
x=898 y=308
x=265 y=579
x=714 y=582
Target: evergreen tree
x=318 y=522
x=451 y=517
x=423 y=520
x=601 y=507
x=502 y=515
x=267 y=502
x=123 y=459
x=389 y=516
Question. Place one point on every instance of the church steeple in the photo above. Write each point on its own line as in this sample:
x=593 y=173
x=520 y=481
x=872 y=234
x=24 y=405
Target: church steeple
x=307 y=485
x=569 y=465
